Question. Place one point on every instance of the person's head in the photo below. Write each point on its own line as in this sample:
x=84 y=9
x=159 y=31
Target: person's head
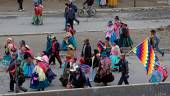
x=96 y=52
x=86 y=41
x=22 y=43
x=14 y=56
x=28 y=57
x=54 y=38
x=70 y=47
x=43 y=53
x=23 y=49
x=66 y=4
x=123 y=57
x=156 y=66
x=38 y=59
x=107 y=39
x=110 y=23
x=117 y=18
x=9 y=40
x=153 y=32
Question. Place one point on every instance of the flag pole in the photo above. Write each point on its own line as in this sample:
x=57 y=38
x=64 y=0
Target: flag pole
x=136 y=46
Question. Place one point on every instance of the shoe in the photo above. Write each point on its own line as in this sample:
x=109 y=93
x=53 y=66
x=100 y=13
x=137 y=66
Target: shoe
x=78 y=22
x=11 y=91
x=19 y=10
x=162 y=54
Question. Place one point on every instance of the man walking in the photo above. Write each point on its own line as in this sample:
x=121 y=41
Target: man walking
x=154 y=40
x=123 y=68
x=70 y=16
x=55 y=52
x=86 y=52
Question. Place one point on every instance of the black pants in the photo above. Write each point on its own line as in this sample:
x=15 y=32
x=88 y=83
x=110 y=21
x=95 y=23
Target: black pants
x=123 y=78
x=12 y=82
x=70 y=21
x=53 y=56
x=20 y=6
x=19 y=87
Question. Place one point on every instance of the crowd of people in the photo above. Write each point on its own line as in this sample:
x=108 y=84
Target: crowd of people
x=77 y=72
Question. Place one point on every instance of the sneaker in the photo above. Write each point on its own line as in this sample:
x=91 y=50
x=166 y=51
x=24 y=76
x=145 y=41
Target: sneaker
x=19 y=10
x=11 y=91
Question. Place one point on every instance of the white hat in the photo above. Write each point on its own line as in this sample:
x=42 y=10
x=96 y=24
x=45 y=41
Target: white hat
x=71 y=46
x=9 y=39
x=27 y=46
x=39 y=58
x=157 y=63
x=74 y=67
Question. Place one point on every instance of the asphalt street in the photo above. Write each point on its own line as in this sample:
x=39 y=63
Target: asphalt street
x=12 y=25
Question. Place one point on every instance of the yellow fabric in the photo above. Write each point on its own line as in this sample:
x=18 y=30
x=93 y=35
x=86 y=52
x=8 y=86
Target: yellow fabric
x=40 y=72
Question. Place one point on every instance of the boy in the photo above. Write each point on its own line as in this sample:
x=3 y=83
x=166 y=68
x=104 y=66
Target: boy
x=154 y=40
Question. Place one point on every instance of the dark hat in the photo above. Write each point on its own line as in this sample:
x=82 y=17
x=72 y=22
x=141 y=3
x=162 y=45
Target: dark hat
x=110 y=23
x=96 y=51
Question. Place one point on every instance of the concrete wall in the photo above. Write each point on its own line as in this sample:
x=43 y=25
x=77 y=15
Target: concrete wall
x=162 y=89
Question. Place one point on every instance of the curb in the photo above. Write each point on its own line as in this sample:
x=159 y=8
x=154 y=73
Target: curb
x=97 y=9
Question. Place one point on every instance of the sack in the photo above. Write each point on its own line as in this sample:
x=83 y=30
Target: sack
x=97 y=78
x=34 y=79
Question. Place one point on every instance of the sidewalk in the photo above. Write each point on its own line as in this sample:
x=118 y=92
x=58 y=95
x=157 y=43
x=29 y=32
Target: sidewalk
x=53 y=5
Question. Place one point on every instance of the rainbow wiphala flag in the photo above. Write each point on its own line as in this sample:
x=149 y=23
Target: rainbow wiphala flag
x=146 y=55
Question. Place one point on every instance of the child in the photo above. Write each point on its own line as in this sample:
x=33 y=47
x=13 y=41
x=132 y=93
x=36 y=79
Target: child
x=154 y=40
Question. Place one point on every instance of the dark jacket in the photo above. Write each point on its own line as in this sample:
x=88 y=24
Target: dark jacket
x=70 y=14
x=123 y=67
x=86 y=51
x=78 y=82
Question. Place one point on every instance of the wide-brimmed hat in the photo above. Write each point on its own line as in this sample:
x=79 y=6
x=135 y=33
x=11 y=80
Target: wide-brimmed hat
x=38 y=58
x=110 y=23
x=71 y=46
x=10 y=39
x=157 y=64
x=74 y=68
x=27 y=46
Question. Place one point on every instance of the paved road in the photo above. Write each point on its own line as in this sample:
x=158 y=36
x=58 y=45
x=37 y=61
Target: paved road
x=22 y=25
x=37 y=43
